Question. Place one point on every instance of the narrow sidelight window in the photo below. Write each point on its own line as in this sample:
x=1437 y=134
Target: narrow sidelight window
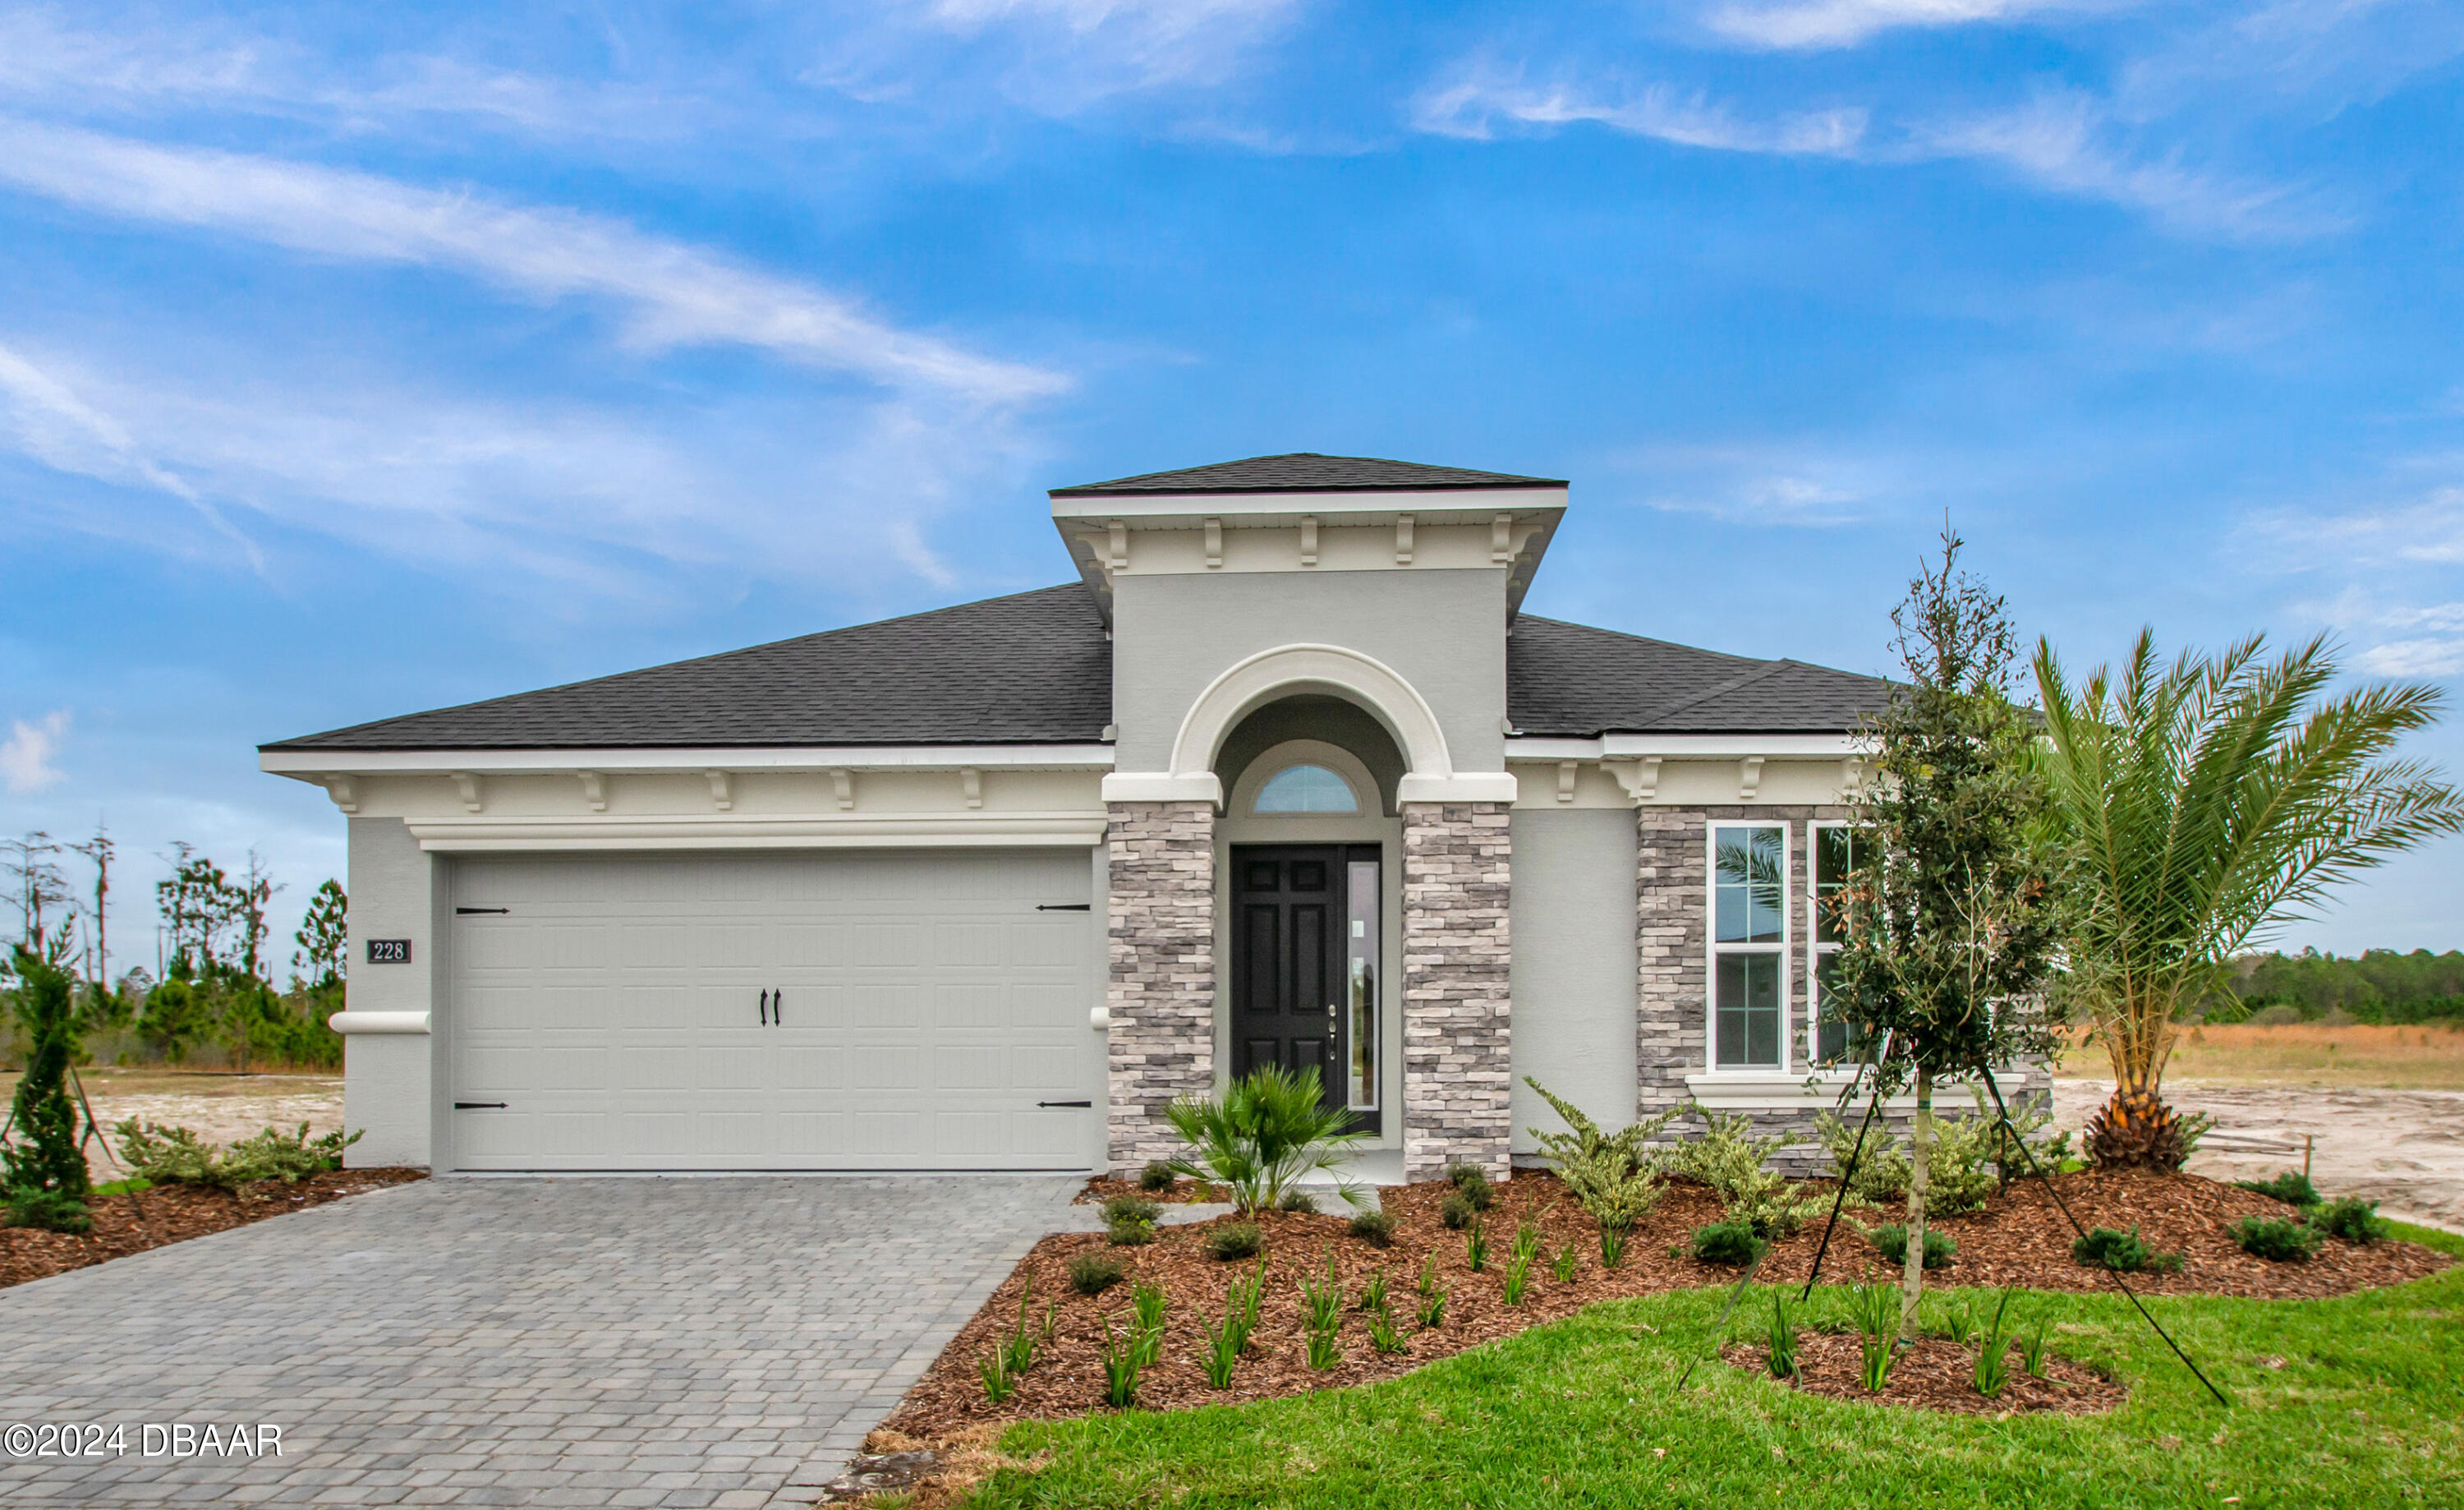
x=1361 y=967
x=1749 y=946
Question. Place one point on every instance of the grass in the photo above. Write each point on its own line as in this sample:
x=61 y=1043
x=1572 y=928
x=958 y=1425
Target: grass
x=2357 y=1401
x=2417 y=1058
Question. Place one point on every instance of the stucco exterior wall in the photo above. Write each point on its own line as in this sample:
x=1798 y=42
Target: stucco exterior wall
x=394 y=1084
x=1442 y=631
x=1574 y=971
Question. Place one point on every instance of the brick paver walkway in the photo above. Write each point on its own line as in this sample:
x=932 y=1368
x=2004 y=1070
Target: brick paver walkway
x=579 y=1342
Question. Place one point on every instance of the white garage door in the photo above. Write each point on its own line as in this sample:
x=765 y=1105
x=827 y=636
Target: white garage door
x=841 y=1011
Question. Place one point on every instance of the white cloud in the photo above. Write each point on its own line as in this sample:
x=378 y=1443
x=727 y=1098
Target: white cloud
x=2061 y=142
x=1473 y=103
x=673 y=294
x=25 y=759
x=1845 y=23
x=1054 y=56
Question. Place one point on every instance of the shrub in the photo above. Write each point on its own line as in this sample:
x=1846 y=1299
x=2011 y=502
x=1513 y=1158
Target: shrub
x=1891 y=1241
x=1731 y=1242
x=1094 y=1273
x=2352 y=1219
x=177 y=1156
x=43 y=1171
x=1456 y=1211
x=2293 y=1188
x=1156 y=1176
x=1615 y=1177
x=1967 y=1160
x=1472 y=1182
x=1882 y=1168
x=1262 y=1136
x=1130 y=1209
x=1129 y=1233
x=2127 y=1252
x=50 y=1210
x=287 y=1157
x=1234 y=1241
x=1730 y=1159
x=1297 y=1200
x=2274 y=1238
x=1374 y=1228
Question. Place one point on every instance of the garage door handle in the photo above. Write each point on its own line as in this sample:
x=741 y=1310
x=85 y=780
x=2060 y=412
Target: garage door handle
x=1065 y=1104
x=778 y=1007
x=475 y=1106
x=766 y=1009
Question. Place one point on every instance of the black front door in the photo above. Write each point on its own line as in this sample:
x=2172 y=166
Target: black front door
x=1289 y=962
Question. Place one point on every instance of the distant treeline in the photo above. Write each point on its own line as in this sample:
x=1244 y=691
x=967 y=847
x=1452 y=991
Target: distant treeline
x=2380 y=986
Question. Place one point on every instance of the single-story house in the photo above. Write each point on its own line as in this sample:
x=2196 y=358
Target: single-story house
x=1287 y=776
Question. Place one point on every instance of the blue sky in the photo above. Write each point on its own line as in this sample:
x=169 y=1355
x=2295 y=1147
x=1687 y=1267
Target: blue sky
x=354 y=360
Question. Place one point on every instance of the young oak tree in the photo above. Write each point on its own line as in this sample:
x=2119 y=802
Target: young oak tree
x=1949 y=914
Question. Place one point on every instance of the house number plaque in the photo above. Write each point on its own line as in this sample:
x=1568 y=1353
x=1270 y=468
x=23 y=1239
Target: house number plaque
x=388 y=952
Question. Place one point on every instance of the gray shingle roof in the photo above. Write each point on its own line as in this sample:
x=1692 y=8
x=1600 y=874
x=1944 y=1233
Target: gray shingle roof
x=1574 y=680
x=1032 y=669
x=1305 y=470
x=1035 y=669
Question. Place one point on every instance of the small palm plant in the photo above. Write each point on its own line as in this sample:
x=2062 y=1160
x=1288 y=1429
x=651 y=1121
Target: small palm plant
x=2207 y=800
x=1262 y=1135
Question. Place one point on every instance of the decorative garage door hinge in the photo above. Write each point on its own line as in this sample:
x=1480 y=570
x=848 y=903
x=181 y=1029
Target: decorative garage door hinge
x=1063 y=906
x=464 y=912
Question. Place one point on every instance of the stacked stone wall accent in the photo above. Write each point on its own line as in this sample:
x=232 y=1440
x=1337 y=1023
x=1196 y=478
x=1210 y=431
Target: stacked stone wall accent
x=1160 y=997
x=1673 y=964
x=1458 y=1069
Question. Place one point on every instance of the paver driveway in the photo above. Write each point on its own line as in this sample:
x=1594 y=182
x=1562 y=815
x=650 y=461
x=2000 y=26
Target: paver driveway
x=571 y=1342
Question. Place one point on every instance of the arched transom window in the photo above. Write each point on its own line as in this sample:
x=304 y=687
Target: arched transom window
x=1306 y=788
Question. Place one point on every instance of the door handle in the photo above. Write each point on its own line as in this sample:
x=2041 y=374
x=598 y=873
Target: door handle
x=778 y=1007
x=766 y=1009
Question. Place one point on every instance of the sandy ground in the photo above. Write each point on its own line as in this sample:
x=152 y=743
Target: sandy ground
x=217 y=1107
x=2403 y=1148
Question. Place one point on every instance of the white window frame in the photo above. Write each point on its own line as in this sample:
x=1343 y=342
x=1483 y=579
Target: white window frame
x=1714 y=948
x=1815 y=948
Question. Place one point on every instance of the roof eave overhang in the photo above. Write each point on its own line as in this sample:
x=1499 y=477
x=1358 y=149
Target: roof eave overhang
x=314 y=763
x=1738 y=745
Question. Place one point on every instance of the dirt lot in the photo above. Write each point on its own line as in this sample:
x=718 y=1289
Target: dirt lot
x=218 y=1106
x=2404 y=1149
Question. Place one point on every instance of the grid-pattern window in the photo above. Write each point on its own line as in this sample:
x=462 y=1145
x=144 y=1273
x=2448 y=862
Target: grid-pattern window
x=1833 y=852
x=1749 y=946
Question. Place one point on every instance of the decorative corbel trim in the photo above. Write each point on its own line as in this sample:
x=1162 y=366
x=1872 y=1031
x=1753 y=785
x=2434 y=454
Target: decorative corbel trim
x=1639 y=777
x=1852 y=777
x=594 y=789
x=1749 y=777
x=971 y=781
x=1117 y=544
x=344 y=791
x=843 y=783
x=468 y=785
x=1402 y=540
x=721 y=796
x=1215 y=542
x=1501 y=539
x=1309 y=540
x=1566 y=770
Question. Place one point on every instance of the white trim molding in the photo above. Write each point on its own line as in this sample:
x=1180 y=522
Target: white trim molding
x=347 y=1023
x=1734 y=1092
x=753 y=830
x=1687 y=747
x=323 y=766
x=1248 y=684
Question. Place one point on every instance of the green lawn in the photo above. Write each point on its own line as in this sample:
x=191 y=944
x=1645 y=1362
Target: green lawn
x=2366 y=1408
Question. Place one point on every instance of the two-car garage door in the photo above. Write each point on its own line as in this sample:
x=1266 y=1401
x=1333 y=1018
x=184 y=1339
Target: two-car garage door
x=815 y=1011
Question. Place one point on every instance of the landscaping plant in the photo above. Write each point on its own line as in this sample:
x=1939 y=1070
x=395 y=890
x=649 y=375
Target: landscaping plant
x=1733 y=1163
x=1382 y=1333
x=2293 y=1188
x=1616 y=1177
x=178 y=1156
x=1433 y=1295
x=1226 y=1340
x=1372 y=1295
x=1992 y=1359
x=2031 y=1346
x=993 y=1369
x=1322 y=1308
x=1949 y=917
x=2211 y=799
x=1882 y=1167
x=1732 y=1243
x=1156 y=1176
x=1147 y=1304
x=1094 y=1273
x=1126 y=1233
x=2126 y=1251
x=1891 y=1241
x=1123 y=1358
x=1475 y=1248
x=1262 y=1136
x=1377 y=1229
x=2351 y=1218
x=1518 y=1276
x=1456 y=1211
x=1245 y=1295
x=1781 y=1354
x=1234 y=1241
x=1473 y=1182
x=42 y=1168
x=1298 y=1200
x=1563 y=1265
x=2275 y=1240
x=1876 y=1307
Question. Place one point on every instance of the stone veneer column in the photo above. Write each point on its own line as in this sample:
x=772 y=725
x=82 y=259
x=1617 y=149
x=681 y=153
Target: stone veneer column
x=1458 y=1070
x=1670 y=957
x=1160 y=997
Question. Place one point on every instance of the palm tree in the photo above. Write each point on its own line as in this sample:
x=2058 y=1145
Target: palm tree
x=1266 y=1131
x=2208 y=801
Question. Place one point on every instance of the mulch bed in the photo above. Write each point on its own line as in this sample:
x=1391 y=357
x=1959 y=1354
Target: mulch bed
x=2020 y=1238
x=168 y=1214
x=1100 y=1190
x=1935 y=1373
